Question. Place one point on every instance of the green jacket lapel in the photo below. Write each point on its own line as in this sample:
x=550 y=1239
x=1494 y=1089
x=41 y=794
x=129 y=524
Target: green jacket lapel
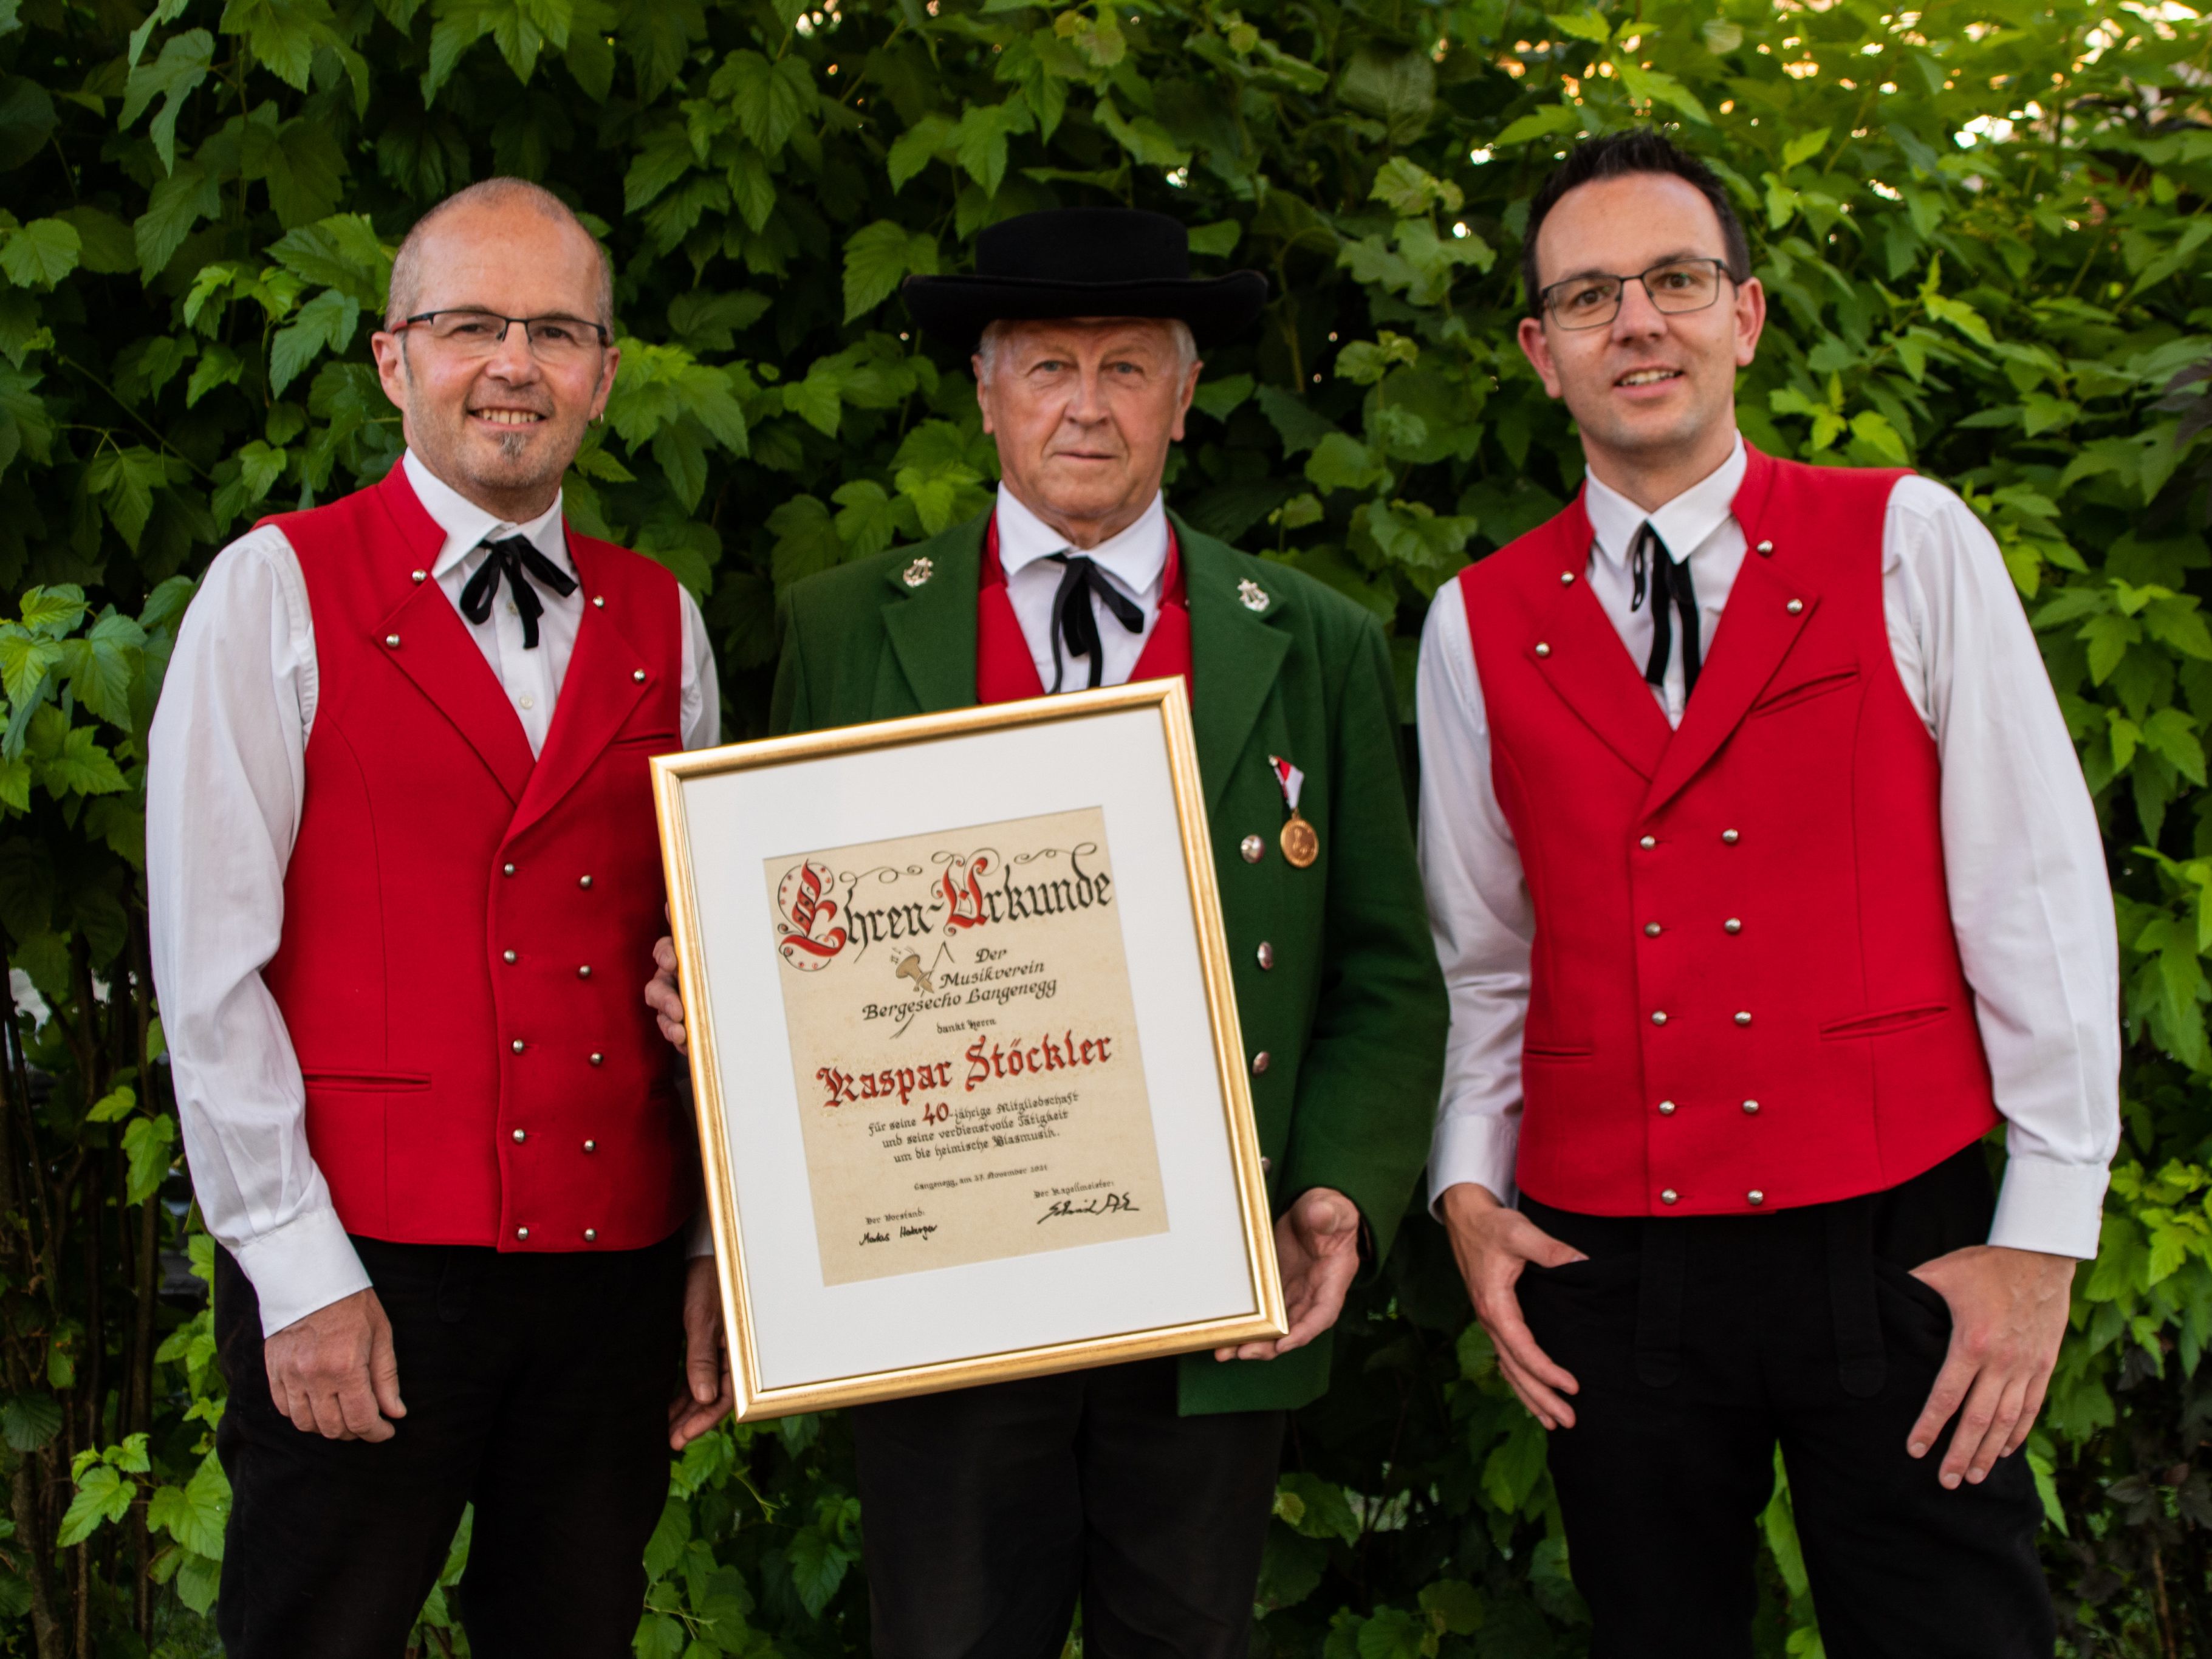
x=1236 y=652
x=930 y=621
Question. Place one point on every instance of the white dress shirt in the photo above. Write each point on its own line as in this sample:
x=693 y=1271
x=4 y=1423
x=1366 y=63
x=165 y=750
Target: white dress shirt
x=2031 y=905
x=1135 y=561
x=225 y=772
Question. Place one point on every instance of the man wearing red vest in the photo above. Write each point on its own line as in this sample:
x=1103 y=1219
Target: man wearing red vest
x=403 y=875
x=1144 y=1488
x=1765 y=884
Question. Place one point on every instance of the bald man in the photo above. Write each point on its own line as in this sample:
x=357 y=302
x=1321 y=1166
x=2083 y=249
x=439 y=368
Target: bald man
x=405 y=879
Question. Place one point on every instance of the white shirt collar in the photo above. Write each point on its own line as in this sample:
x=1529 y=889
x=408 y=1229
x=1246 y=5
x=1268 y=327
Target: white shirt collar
x=1684 y=524
x=1134 y=558
x=468 y=526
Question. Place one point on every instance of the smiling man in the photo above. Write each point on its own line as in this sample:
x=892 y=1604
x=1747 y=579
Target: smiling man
x=404 y=873
x=1766 y=884
x=1144 y=1488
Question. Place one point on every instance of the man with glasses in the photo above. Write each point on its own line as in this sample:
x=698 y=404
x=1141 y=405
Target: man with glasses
x=404 y=878
x=1766 y=885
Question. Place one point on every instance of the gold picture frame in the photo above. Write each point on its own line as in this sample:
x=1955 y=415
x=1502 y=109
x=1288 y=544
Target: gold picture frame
x=1128 y=721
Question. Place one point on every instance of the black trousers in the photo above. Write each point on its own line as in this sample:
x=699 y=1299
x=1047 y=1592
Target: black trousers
x=536 y=1387
x=988 y=1511
x=1703 y=1343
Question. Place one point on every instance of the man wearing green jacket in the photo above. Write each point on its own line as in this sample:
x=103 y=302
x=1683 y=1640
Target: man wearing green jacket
x=1145 y=1489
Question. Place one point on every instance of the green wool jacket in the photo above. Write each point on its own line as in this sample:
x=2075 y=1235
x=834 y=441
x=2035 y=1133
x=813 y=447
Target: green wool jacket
x=1352 y=1014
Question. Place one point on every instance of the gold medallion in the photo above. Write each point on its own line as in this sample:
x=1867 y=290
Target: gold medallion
x=1301 y=846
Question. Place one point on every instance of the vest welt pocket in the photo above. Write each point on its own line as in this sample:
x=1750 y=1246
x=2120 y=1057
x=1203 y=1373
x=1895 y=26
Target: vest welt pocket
x=1804 y=691
x=382 y=1081
x=1556 y=1052
x=1885 y=1024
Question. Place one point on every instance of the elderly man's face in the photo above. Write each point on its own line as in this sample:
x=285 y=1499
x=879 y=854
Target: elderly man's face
x=501 y=425
x=1083 y=411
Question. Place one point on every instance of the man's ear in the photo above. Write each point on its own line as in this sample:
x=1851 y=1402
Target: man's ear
x=1182 y=406
x=606 y=381
x=390 y=352
x=1537 y=347
x=1750 y=319
x=982 y=402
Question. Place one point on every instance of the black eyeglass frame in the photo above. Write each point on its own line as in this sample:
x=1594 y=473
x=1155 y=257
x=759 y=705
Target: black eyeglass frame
x=1547 y=297
x=598 y=330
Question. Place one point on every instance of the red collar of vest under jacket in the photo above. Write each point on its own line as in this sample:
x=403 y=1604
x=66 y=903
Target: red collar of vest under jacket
x=1006 y=669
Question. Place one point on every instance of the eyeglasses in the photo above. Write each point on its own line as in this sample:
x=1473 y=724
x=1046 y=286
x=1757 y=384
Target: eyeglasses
x=1673 y=286
x=480 y=333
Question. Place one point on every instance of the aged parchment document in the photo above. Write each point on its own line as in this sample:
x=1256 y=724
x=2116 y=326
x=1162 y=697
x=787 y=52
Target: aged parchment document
x=970 y=1084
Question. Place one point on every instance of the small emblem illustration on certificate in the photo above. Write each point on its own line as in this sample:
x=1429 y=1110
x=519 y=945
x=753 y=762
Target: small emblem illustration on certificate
x=964 y=1043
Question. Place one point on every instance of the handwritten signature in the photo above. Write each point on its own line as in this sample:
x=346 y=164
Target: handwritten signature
x=1104 y=1203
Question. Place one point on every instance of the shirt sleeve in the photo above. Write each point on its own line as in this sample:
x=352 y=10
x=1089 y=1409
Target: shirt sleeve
x=226 y=767
x=1479 y=913
x=702 y=714
x=699 y=710
x=2031 y=902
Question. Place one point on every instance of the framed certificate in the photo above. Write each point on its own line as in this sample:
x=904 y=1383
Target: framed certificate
x=971 y=1094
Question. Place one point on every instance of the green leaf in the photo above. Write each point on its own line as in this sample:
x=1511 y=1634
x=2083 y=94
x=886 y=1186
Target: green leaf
x=150 y=1143
x=172 y=77
x=1582 y=25
x=815 y=399
x=1216 y=241
x=1656 y=86
x=914 y=149
x=1315 y=1507
x=1397 y=86
x=325 y=322
x=1221 y=398
x=108 y=249
x=306 y=173
x=175 y=206
x=868 y=521
x=876 y=258
x=819 y=1565
x=1540 y=123
x=665 y=155
x=979 y=140
x=806 y=540
x=1342 y=462
x=113 y=1106
x=40 y=253
x=1407 y=190
x=770 y=100
x=281 y=34
x=1804 y=147
x=1509 y=1473
x=82 y=767
x=1391 y=1633
x=125 y=480
x=102 y=1496
x=29 y=1421
x=1300 y=426
x=1454 y=1605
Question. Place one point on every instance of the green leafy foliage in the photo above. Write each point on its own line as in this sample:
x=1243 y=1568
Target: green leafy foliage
x=1982 y=233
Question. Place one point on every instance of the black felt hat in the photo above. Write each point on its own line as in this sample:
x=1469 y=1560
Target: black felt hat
x=1085 y=262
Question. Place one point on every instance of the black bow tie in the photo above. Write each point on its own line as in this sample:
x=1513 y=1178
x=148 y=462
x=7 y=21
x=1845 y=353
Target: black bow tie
x=515 y=556
x=1673 y=594
x=1075 y=621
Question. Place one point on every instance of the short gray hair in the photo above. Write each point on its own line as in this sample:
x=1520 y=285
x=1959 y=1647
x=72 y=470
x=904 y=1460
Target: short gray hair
x=407 y=264
x=994 y=338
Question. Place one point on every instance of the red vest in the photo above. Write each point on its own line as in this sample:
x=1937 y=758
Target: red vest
x=1006 y=672
x=466 y=930
x=1747 y=993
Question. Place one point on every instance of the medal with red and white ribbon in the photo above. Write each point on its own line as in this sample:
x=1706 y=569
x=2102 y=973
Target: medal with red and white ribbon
x=1301 y=845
